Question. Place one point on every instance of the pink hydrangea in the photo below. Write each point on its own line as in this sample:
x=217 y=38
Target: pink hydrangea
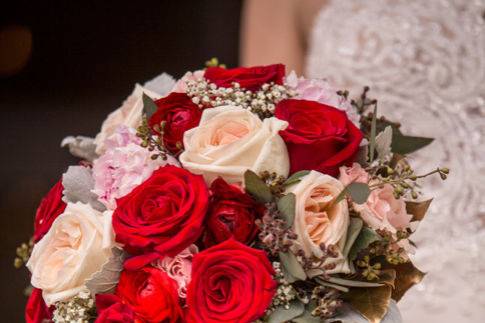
x=123 y=166
x=179 y=268
x=320 y=90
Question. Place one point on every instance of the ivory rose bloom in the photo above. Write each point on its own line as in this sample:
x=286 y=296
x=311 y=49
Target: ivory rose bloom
x=383 y=211
x=77 y=246
x=129 y=114
x=318 y=219
x=230 y=140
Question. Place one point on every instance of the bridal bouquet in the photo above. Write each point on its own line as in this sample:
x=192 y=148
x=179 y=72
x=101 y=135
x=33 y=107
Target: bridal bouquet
x=230 y=195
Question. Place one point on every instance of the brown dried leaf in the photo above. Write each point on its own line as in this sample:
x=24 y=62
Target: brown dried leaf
x=372 y=303
x=406 y=277
x=418 y=209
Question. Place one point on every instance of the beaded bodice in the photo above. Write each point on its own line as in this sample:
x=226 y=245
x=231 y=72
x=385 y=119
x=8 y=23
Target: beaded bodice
x=425 y=62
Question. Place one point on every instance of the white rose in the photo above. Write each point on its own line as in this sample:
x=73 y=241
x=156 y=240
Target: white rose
x=318 y=219
x=230 y=140
x=77 y=245
x=129 y=114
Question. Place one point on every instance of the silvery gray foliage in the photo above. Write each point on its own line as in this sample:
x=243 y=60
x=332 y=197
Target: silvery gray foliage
x=383 y=143
x=105 y=280
x=80 y=146
x=78 y=183
x=162 y=84
x=348 y=315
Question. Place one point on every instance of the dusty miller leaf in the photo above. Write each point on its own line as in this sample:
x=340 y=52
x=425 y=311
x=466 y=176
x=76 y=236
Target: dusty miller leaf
x=105 y=280
x=281 y=314
x=255 y=186
x=372 y=143
x=81 y=147
x=383 y=143
x=78 y=183
x=286 y=206
x=291 y=264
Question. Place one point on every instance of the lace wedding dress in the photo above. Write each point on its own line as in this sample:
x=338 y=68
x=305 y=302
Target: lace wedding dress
x=425 y=62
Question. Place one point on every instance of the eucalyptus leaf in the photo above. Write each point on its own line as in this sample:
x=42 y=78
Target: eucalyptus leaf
x=281 y=315
x=364 y=239
x=149 y=106
x=255 y=186
x=359 y=192
x=286 y=206
x=291 y=264
x=418 y=209
x=328 y=284
x=296 y=177
x=353 y=231
x=352 y=283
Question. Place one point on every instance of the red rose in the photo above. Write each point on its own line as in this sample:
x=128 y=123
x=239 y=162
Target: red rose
x=162 y=215
x=36 y=311
x=111 y=310
x=251 y=78
x=179 y=114
x=231 y=282
x=319 y=137
x=151 y=293
x=231 y=214
x=49 y=209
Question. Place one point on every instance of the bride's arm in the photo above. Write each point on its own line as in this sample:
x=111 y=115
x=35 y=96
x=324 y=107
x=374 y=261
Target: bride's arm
x=274 y=31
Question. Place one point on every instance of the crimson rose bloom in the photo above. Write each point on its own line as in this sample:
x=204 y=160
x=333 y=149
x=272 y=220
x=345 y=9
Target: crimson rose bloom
x=319 y=137
x=111 y=310
x=231 y=214
x=49 y=209
x=251 y=78
x=162 y=215
x=151 y=293
x=179 y=114
x=36 y=311
x=231 y=282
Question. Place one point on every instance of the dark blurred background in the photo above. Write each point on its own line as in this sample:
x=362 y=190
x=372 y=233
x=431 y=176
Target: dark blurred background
x=64 y=65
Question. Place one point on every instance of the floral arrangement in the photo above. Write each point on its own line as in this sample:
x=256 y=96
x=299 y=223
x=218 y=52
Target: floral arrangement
x=230 y=195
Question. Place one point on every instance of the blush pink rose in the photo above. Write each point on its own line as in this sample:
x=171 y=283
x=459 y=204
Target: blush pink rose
x=179 y=268
x=123 y=166
x=355 y=173
x=383 y=211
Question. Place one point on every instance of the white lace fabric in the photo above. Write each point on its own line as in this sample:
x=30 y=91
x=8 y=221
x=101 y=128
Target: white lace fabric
x=425 y=63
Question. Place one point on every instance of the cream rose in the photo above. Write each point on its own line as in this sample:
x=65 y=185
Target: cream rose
x=383 y=211
x=318 y=219
x=230 y=140
x=77 y=245
x=129 y=114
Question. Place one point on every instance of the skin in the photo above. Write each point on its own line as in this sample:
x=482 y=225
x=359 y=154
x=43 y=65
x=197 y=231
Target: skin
x=277 y=31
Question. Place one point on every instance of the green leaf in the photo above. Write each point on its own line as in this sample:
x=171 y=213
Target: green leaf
x=372 y=303
x=296 y=177
x=291 y=265
x=418 y=209
x=255 y=186
x=286 y=206
x=149 y=106
x=372 y=144
x=328 y=284
x=365 y=238
x=403 y=145
x=280 y=314
x=359 y=192
x=353 y=231
x=307 y=316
